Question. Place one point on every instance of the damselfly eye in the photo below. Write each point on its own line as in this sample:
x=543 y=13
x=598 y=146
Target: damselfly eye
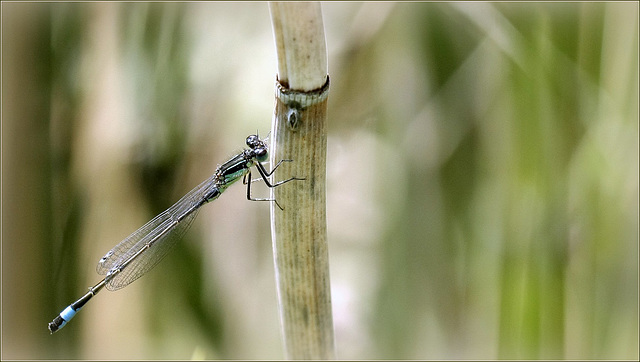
x=261 y=154
x=253 y=141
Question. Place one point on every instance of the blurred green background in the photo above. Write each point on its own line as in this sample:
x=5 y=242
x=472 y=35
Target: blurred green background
x=482 y=178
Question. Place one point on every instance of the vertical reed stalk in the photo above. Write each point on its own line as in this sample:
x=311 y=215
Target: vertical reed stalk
x=299 y=232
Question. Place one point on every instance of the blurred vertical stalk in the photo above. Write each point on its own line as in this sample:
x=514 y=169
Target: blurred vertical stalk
x=299 y=232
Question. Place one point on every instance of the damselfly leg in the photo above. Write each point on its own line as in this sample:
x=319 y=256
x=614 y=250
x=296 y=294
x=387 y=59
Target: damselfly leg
x=264 y=174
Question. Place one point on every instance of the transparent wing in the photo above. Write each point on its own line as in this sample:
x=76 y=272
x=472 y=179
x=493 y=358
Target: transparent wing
x=151 y=256
x=144 y=248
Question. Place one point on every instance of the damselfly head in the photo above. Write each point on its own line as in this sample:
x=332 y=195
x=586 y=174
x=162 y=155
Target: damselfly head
x=253 y=141
x=258 y=147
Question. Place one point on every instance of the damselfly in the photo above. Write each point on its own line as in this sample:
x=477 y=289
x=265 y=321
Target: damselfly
x=143 y=249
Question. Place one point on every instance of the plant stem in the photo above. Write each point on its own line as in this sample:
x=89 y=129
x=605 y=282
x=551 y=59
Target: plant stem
x=300 y=43
x=299 y=232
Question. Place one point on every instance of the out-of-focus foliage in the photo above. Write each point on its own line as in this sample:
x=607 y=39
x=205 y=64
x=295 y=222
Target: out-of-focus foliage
x=483 y=178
